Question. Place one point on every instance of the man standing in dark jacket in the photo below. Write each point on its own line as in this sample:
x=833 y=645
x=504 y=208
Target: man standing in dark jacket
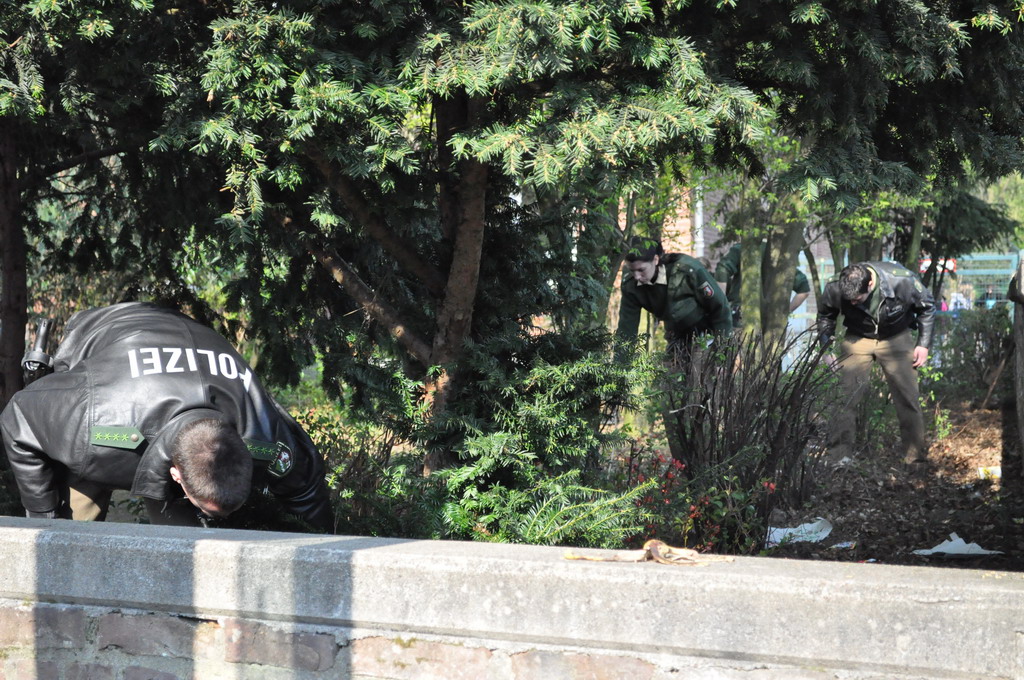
x=881 y=302
x=148 y=400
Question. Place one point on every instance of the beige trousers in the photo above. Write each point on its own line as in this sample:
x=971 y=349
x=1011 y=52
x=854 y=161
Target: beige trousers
x=89 y=502
x=895 y=356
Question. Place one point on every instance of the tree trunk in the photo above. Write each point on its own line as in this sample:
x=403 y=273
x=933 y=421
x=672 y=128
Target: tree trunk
x=14 y=281
x=812 y=269
x=463 y=199
x=839 y=251
x=455 y=317
x=777 y=272
x=750 y=282
x=913 y=255
x=939 y=282
x=463 y=209
x=930 y=276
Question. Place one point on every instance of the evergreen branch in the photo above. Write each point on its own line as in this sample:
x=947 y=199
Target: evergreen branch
x=372 y=305
x=374 y=308
x=376 y=227
x=71 y=162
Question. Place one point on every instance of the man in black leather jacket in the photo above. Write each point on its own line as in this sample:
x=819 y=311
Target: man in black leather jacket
x=881 y=303
x=146 y=399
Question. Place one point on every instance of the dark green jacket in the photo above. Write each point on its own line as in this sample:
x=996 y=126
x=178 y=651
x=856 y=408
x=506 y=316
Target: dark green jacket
x=728 y=270
x=691 y=302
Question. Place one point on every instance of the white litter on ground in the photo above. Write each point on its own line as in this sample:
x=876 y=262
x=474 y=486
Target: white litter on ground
x=993 y=472
x=956 y=547
x=811 y=532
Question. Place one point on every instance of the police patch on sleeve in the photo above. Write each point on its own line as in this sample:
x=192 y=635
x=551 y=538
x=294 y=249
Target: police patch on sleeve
x=276 y=455
x=282 y=464
x=706 y=289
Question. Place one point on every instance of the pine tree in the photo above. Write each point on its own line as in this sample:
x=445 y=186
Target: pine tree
x=83 y=89
x=388 y=141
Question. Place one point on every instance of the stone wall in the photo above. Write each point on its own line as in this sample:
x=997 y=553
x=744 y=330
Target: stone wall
x=133 y=602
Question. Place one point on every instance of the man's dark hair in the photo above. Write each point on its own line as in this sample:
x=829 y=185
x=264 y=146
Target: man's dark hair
x=214 y=463
x=854 y=281
x=643 y=249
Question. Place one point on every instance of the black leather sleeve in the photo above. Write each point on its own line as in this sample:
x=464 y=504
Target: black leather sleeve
x=303 y=491
x=829 y=306
x=38 y=427
x=924 y=307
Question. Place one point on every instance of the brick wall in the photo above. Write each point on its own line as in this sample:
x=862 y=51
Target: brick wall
x=57 y=642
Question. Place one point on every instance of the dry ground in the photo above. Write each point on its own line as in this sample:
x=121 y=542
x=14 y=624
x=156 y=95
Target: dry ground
x=887 y=512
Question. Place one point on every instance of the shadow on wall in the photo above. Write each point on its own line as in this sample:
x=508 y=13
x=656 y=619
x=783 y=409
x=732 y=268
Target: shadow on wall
x=163 y=605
